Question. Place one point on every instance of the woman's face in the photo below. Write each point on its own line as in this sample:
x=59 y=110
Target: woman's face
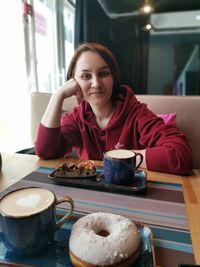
x=94 y=77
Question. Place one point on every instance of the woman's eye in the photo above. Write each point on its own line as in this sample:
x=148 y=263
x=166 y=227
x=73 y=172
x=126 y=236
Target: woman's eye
x=85 y=76
x=104 y=73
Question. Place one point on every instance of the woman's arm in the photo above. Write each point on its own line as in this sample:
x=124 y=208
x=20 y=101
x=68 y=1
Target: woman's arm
x=52 y=115
x=49 y=142
x=166 y=147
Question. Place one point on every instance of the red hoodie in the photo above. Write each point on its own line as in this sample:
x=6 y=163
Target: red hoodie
x=132 y=126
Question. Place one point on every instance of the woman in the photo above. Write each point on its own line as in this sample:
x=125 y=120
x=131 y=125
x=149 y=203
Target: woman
x=108 y=116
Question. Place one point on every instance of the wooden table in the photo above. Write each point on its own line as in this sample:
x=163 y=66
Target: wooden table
x=16 y=166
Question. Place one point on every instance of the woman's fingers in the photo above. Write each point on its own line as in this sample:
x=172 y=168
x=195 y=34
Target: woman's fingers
x=79 y=94
x=70 y=88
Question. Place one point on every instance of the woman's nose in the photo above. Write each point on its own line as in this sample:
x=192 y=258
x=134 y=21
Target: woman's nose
x=96 y=83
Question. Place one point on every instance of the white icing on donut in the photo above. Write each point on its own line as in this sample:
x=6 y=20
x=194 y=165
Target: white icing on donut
x=122 y=241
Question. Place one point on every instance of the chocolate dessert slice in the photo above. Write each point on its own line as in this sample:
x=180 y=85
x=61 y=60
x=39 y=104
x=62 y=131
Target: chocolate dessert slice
x=76 y=170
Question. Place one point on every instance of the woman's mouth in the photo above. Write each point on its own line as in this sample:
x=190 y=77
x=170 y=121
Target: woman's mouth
x=96 y=93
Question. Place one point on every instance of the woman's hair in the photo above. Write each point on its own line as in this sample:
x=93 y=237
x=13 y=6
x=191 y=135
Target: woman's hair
x=107 y=56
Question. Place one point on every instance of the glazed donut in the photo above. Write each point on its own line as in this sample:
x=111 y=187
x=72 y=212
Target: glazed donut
x=104 y=239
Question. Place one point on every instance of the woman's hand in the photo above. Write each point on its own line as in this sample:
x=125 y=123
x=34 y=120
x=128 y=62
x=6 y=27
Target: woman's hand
x=70 y=88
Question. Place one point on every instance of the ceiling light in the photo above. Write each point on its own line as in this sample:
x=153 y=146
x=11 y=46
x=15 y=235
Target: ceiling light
x=148 y=27
x=146 y=8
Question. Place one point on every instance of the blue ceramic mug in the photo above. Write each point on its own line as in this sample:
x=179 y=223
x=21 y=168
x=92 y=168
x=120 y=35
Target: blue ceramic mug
x=119 y=166
x=28 y=220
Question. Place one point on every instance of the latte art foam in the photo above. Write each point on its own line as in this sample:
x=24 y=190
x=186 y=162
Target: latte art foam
x=31 y=200
x=26 y=201
x=120 y=153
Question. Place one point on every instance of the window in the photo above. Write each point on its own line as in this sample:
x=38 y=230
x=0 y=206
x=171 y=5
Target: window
x=35 y=52
x=50 y=43
x=174 y=53
x=69 y=18
x=14 y=111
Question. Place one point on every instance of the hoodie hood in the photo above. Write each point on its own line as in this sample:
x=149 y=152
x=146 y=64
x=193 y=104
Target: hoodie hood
x=124 y=103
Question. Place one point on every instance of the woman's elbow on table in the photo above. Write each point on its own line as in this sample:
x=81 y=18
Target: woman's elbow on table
x=47 y=152
x=169 y=160
x=48 y=144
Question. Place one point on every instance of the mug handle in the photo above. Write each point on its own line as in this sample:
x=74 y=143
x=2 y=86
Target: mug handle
x=68 y=215
x=140 y=160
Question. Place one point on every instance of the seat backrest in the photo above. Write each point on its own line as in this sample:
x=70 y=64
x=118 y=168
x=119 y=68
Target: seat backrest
x=187 y=109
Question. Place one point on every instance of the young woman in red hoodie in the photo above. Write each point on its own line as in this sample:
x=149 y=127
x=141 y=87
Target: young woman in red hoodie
x=108 y=116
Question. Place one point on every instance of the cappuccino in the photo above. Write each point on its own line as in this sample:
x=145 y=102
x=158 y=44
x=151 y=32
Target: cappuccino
x=120 y=154
x=28 y=221
x=26 y=201
x=119 y=166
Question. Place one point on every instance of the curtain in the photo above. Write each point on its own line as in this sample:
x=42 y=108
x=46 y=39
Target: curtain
x=91 y=23
x=125 y=37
